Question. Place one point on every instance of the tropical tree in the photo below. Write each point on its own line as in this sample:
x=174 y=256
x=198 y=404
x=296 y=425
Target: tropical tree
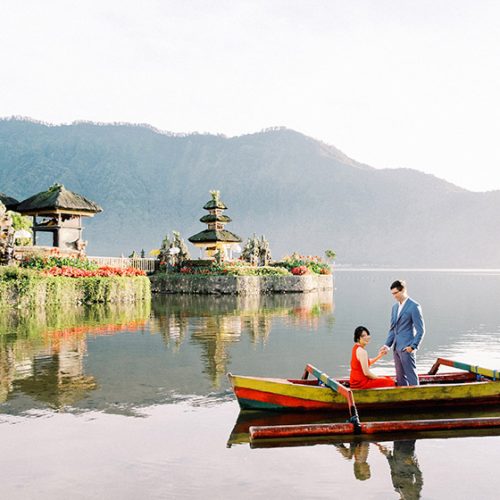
x=257 y=251
x=173 y=250
x=330 y=255
x=21 y=223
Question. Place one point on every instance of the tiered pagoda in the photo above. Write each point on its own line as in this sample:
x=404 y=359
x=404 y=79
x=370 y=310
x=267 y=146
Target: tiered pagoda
x=215 y=238
x=59 y=212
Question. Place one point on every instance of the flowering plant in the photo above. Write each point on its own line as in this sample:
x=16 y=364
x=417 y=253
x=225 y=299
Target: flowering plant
x=104 y=271
x=300 y=270
x=313 y=263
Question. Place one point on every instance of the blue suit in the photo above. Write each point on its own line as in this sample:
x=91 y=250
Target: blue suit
x=407 y=330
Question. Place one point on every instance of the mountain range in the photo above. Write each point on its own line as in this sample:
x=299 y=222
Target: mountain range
x=302 y=194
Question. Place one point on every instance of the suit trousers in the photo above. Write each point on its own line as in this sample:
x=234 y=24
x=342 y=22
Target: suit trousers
x=406 y=368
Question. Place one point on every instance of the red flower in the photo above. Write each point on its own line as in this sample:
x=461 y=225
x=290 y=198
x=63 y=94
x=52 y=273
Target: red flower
x=299 y=270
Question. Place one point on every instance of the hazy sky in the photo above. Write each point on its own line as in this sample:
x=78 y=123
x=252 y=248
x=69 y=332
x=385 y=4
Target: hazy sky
x=392 y=83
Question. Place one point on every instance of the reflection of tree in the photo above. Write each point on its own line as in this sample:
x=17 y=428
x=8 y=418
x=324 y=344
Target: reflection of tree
x=6 y=372
x=310 y=308
x=173 y=328
x=405 y=472
x=258 y=327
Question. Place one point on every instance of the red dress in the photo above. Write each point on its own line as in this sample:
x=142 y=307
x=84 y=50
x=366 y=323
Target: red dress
x=358 y=380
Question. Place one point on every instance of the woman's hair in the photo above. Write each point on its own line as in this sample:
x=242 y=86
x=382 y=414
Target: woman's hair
x=359 y=331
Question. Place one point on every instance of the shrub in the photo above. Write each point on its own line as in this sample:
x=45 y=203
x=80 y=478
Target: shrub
x=257 y=271
x=313 y=263
x=233 y=268
x=42 y=262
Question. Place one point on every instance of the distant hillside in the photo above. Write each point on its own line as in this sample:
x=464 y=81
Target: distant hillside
x=301 y=193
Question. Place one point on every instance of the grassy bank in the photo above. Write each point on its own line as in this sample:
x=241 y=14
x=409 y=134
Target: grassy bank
x=28 y=288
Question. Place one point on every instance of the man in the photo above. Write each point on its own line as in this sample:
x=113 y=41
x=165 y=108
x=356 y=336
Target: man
x=406 y=332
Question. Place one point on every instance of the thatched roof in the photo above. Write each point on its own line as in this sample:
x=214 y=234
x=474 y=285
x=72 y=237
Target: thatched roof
x=210 y=205
x=215 y=202
x=57 y=198
x=9 y=202
x=215 y=218
x=211 y=236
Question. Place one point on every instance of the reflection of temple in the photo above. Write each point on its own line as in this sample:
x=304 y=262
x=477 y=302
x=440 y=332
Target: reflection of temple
x=216 y=323
x=53 y=374
x=42 y=351
x=215 y=334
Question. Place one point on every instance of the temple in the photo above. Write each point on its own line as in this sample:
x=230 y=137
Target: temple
x=59 y=213
x=215 y=238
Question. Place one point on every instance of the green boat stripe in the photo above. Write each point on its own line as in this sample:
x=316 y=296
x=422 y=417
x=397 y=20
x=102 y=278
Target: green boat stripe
x=494 y=374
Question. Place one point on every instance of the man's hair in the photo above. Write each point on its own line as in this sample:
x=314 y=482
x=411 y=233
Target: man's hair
x=399 y=284
x=359 y=331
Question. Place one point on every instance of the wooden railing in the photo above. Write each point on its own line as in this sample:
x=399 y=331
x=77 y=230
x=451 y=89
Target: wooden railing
x=149 y=265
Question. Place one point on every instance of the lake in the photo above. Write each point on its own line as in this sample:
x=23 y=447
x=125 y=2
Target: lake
x=133 y=401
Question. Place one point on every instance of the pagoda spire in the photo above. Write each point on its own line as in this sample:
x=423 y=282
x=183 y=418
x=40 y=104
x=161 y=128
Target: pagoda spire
x=215 y=237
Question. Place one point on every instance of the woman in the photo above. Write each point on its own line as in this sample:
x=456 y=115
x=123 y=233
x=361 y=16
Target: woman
x=361 y=376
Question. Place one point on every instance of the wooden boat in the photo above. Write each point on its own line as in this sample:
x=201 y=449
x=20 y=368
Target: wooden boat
x=472 y=386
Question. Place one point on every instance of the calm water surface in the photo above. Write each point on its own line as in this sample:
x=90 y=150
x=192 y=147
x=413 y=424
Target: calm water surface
x=133 y=402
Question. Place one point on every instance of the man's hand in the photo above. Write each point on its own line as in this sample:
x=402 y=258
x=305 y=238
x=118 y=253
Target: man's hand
x=383 y=350
x=408 y=349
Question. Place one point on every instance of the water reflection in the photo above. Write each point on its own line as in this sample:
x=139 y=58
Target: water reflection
x=406 y=475
x=122 y=357
x=102 y=363
x=399 y=450
x=42 y=350
x=214 y=324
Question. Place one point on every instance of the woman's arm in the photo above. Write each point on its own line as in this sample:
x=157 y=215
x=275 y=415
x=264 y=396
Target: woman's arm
x=372 y=361
x=363 y=359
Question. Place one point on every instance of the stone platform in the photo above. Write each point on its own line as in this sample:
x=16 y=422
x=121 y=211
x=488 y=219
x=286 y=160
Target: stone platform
x=239 y=285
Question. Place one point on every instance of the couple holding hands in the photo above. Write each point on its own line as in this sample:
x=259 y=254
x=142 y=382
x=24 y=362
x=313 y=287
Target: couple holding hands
x=405 y=334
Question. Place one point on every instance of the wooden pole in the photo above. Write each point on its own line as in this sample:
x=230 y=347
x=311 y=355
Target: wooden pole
x=478 y=370
x=341 y=389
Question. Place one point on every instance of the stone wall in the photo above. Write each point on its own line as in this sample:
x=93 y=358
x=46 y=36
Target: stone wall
x=239 y=285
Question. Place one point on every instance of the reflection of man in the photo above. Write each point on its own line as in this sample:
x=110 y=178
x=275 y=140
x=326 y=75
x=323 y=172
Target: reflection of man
x=406 y=332
x=405 y=471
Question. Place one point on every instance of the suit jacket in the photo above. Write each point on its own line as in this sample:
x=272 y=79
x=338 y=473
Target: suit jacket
x=408 y=329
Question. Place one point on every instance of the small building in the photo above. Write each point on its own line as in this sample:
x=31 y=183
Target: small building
x=9 y=202
x=215 y=238
x=59 y=212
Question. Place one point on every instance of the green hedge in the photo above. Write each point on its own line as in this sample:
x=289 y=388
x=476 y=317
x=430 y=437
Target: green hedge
x=26 y=287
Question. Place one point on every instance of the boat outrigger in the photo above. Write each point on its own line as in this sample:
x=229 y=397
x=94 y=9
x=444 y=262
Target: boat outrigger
x=474 y=385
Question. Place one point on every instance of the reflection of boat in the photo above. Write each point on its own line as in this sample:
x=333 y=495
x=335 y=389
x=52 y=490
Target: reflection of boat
x=472 y=387
x=248 y=419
